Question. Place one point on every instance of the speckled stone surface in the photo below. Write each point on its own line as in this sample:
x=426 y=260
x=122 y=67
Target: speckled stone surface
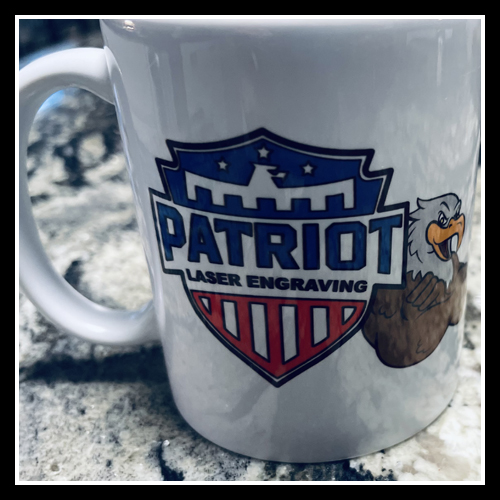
x=94 y=413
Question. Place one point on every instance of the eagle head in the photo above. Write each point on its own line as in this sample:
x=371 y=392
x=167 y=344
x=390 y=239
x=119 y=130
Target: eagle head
x=436 y=231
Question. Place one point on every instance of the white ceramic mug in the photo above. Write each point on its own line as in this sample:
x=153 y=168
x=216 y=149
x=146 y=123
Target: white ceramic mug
x=304 y=192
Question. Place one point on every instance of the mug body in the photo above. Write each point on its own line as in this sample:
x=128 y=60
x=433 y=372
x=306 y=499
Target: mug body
x=304 y=193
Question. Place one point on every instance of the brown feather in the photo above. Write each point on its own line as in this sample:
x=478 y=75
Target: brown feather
x=405 y=326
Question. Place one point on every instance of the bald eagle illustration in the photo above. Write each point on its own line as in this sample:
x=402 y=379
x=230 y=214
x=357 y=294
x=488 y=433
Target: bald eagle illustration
x=405 y=326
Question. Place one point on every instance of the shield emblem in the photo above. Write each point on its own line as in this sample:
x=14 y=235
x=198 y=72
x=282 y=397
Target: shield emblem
x=280 y=245
x=277 y=337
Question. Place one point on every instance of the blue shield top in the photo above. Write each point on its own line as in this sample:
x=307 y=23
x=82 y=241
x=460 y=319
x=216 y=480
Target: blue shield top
x=263 y=175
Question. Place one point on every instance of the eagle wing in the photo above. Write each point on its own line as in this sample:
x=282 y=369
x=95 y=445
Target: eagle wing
x=405 y=326
x=383 y=312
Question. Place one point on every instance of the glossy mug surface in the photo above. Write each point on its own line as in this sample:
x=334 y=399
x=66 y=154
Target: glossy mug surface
x=304 y=193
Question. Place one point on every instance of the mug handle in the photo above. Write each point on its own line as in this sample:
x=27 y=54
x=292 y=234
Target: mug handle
x=50 y=293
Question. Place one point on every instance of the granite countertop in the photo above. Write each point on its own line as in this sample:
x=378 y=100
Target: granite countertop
x=95 y=413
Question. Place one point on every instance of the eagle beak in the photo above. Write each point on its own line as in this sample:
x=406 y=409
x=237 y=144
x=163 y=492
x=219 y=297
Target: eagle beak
x=441 y=238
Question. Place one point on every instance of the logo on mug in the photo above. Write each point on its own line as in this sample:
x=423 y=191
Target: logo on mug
x=281 y=246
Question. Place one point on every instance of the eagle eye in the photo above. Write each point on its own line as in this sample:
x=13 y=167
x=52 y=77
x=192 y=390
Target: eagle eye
x=457 y=211
x=442 y=220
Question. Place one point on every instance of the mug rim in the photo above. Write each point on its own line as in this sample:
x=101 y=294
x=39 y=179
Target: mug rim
x=340 y=24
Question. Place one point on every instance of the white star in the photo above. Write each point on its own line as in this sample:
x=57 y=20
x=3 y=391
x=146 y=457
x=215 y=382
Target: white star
x=263 y=152
x=308 y=169
x=222 y=165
